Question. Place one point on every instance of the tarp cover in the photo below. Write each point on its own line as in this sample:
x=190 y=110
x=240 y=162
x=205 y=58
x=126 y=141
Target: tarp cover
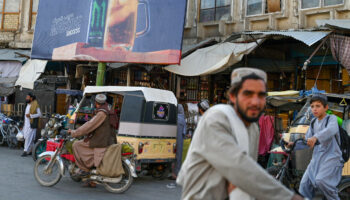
x=213 y=59
x=30 y=72
x=9 y=71
x=307 y=37
x=150 y=94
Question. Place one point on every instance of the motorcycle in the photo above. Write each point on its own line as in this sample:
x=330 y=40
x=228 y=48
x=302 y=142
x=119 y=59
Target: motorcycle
x=51 y=166
x=51 y=129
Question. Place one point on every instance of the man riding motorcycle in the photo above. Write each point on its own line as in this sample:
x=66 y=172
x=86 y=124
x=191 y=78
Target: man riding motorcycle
x=99 y=133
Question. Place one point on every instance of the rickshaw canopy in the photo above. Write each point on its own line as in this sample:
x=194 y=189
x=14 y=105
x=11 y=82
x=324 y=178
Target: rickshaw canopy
x=150 y=94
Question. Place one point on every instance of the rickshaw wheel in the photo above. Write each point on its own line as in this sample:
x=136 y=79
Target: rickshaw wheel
x=160 y=174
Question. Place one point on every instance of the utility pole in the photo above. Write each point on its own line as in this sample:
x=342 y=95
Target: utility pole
x=100 y=73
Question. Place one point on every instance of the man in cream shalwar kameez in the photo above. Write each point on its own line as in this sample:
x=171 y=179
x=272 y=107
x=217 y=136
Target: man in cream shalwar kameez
x=28 y=132
x=217 y=164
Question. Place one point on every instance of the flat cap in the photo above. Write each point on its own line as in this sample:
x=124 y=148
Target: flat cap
x=239 y=73
x=101 y=98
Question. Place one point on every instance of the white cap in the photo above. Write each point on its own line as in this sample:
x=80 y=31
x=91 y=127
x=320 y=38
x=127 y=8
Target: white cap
x=239 y=73
x=204 y=104
x=101 y=98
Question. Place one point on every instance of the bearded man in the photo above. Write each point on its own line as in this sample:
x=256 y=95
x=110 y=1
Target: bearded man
x=31 y=121
x=221 y=161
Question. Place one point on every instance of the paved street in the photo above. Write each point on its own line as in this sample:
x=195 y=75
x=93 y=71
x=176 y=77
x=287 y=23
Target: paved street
x=17 y=182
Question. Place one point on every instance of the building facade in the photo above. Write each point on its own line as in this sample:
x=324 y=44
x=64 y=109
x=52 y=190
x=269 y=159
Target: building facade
x=221 y=18
x=17 y=21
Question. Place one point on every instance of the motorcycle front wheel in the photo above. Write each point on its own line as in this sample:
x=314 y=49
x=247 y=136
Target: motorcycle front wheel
x=124 y=184
x=47 y=177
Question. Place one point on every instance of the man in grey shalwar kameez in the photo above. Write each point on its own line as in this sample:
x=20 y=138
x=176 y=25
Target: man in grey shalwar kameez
x=217 y=163
x=325 y=168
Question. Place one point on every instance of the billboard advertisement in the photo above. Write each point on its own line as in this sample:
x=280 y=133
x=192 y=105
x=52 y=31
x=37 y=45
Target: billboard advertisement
x=130 y=31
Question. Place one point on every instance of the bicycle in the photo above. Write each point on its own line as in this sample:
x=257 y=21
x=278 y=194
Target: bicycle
x=291 y=177
x=8 y=131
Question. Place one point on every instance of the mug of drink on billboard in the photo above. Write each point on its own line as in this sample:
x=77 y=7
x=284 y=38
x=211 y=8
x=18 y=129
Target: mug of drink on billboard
x=120 y=31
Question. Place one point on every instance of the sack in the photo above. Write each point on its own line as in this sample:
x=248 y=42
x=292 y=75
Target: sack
x=20 y=136
x=111 y=164
x=35 y=123
x=344 y=143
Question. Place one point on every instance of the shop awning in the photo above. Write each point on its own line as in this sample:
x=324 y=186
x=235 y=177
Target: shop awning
x=14 y=54
x=343 y=24
x=307 y=37
x=9 y=71
x=213 y=59
x=30 y=72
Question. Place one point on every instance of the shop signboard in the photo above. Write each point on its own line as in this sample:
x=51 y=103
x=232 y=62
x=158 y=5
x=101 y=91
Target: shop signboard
x=130 y=31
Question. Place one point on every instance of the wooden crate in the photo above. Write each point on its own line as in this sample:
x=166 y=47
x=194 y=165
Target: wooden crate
x=7 y=109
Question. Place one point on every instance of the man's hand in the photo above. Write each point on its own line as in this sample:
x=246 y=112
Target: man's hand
x=297 y=197
x=28 y=115
x=311 y=142
x=290 y=144
x=230 y=188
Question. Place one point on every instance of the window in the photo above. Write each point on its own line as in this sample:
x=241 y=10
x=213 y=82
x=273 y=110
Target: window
x=161 y=111
x=319 y=3
x=34 y=10
x=214 y=10
x=258 y=7
x=9 y=16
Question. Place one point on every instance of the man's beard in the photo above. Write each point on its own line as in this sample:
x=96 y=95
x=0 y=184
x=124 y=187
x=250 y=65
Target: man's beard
x=245 y=117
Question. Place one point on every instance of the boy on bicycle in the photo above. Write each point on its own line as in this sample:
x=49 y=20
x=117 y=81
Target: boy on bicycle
x=325 y=168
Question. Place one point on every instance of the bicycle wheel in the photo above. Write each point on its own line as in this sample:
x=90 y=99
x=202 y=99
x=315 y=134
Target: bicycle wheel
x=12 y=140
x=4 y=133
x=344 y=190
x=38 y=148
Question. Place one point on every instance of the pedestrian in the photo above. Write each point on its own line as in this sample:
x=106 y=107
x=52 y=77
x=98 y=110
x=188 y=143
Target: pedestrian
x=99 y=134
x=203 y=106
x=31 y=122
x=325 y=168
x=224 y=149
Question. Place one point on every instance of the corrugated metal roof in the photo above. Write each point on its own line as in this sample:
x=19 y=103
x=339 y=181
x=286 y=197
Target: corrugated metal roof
x=334 y=23
x=307 y=37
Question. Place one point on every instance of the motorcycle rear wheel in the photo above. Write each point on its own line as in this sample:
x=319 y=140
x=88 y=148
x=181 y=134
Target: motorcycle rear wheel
x=124 y=184
x=41 y=175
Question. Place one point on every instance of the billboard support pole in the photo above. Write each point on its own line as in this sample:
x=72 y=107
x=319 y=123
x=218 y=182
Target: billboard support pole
x=128 y=77
x=100 y=74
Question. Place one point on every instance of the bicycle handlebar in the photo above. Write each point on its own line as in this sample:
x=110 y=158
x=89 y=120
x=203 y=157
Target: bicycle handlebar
x=283 y=143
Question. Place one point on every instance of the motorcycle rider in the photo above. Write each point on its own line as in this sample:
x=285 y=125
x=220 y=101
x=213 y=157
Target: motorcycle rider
x=99 y=133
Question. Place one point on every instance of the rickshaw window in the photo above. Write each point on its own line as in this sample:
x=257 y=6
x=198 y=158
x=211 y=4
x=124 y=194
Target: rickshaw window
x=161 y=111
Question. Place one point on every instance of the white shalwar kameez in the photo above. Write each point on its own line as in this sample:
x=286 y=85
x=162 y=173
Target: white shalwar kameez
x=29 y=133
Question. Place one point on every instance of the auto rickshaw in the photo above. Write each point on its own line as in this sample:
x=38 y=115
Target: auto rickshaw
x=147 y=121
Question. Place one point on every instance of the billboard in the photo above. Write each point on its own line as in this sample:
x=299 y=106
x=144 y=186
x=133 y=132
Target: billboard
x=130 y=31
